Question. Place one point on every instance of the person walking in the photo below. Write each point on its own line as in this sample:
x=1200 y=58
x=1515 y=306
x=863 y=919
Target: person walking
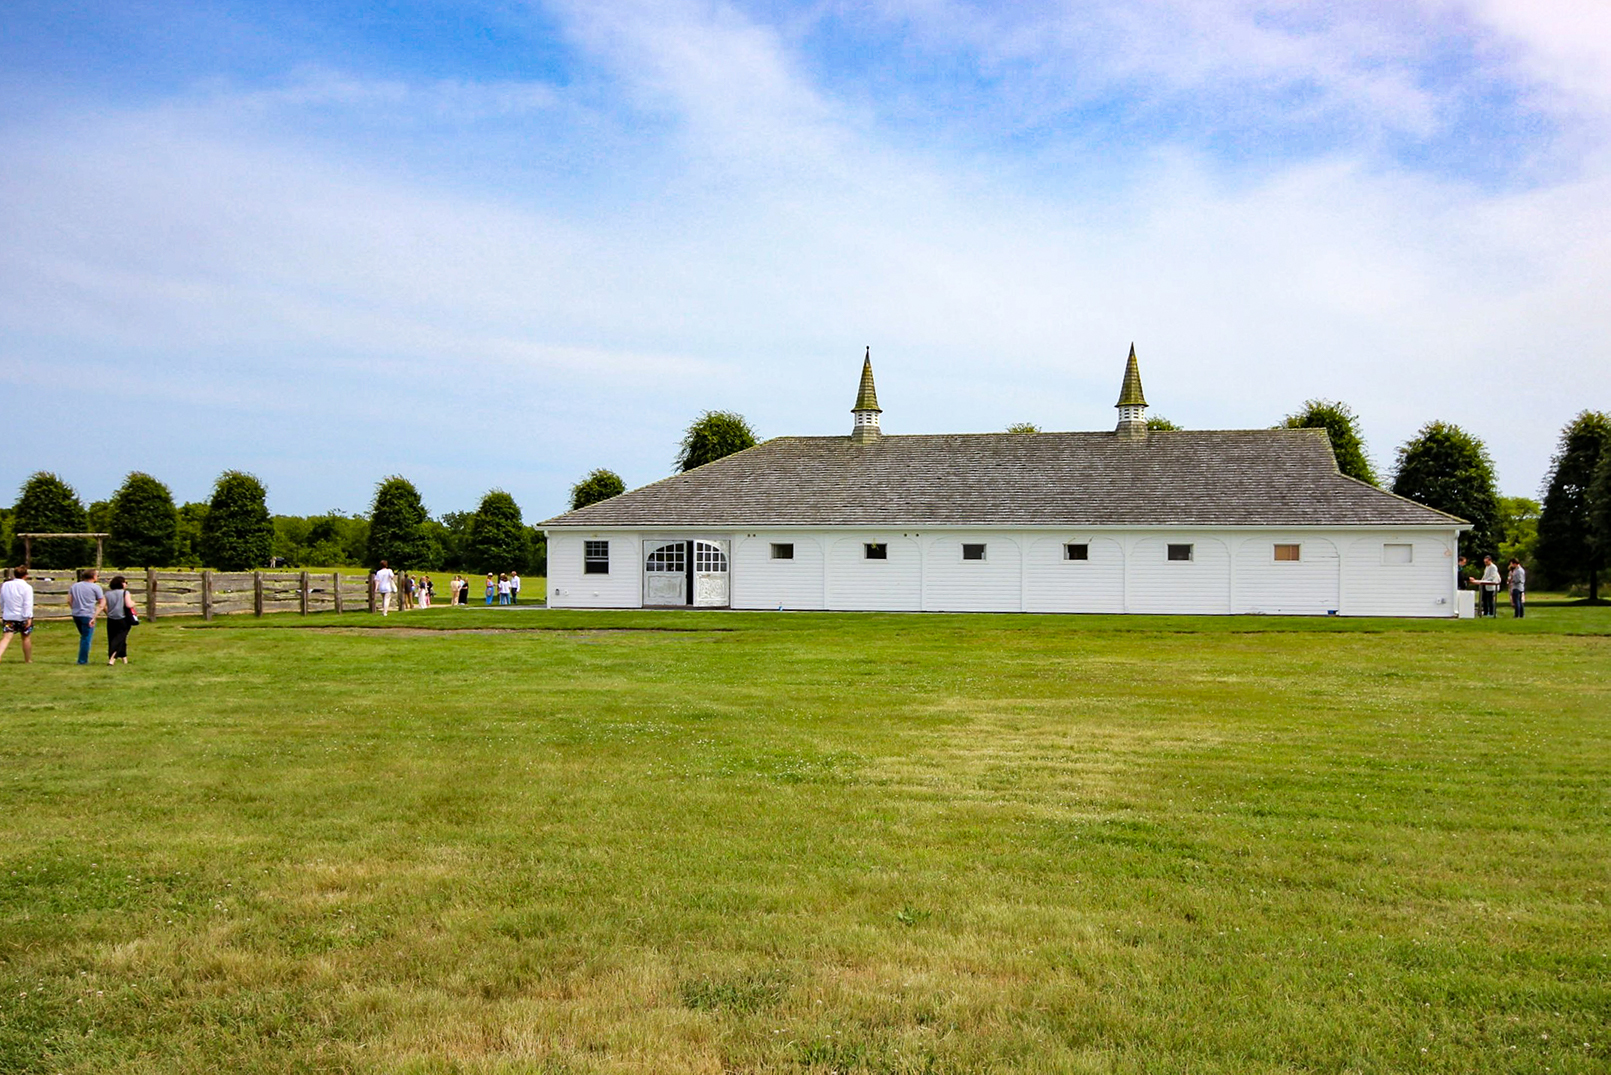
x=492 y=587
x=1518 y=589
x=17 y=612
x=385 y=582
x=1490 y=586
x=121 y=617
x=514 y=587
x=86 y=602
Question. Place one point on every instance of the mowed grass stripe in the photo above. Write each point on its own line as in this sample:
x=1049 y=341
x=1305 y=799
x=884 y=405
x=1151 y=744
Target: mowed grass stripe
x=810 y=843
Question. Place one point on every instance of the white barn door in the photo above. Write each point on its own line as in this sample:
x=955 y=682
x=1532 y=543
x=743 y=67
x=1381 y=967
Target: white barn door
x=665 y=573
x=710 y=574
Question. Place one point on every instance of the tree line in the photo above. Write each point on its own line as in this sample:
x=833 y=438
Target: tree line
x=1565 y=540
x=233 y=531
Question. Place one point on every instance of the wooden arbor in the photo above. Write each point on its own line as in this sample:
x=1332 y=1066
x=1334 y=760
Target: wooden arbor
x=28 y=546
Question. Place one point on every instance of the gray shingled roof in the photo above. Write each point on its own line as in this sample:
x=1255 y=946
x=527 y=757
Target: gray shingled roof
x=1254 y=477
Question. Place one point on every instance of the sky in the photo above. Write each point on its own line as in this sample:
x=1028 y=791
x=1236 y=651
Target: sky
x=498 y=244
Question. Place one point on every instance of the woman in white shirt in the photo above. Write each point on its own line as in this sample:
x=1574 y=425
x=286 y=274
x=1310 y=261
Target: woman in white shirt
x=384 y=585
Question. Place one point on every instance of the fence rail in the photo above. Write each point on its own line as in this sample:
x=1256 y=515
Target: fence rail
x=214 y=593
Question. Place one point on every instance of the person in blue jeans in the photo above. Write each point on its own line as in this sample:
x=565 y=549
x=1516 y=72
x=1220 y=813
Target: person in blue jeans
x=87 y=603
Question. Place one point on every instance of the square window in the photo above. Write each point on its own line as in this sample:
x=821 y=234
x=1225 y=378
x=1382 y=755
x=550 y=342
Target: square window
x=781 y=551
x=1287 y=553
x=1180 y=552
x=1077 y=552
x=1398 y=554
x=876 y=550
x=973 y=552
x=595 y=557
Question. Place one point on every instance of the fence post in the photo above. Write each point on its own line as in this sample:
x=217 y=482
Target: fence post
x=206 y=593
x=335 y=582
x=257 y=593
x=371 y=593
x=151 y=592
x=304 y=594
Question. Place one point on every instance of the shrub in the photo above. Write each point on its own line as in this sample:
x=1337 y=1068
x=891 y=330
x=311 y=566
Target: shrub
x=143 y=523
x=397 y=531
x=48 y=505
x=237 y=533
x=599 y=485
x=1448 y=469
x=714 y=435
x=497 y=539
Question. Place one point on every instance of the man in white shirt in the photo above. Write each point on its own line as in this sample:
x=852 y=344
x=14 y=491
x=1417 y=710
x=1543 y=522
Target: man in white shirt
x=17 y=610
x=1490 y=586
x=514 y=587
x=384 y=585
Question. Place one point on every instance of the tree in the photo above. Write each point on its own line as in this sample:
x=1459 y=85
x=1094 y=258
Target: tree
x=237 y=533
x=1567 y=547
x=713 y=435
x=1342 y=426
x=497 y=540
x=1600 y=504
x=48 y=505
x=192 y=517
x=397 y=526
x=1023 y=427
x=599 y=485
x=1518 y=525
x=143 y=523
x=1448 y=469
x=1159 y=424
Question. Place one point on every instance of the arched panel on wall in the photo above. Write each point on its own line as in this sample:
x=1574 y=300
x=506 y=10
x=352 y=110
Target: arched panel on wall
x=1056 y=583
x=988 y=579
x=892 y=584
x=1377 y=580
x=1306 y=586
x=761 y=580
x=1199 y=586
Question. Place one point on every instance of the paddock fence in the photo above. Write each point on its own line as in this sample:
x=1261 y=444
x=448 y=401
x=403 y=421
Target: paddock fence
x=214 y=593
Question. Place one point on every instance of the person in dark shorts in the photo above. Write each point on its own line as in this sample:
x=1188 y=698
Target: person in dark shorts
x=17 y=612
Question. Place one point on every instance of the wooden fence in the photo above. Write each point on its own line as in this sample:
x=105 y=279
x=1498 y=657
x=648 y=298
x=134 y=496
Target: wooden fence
x=214 y=593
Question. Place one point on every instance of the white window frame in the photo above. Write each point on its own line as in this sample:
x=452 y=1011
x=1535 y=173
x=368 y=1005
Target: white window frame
x=1409 y=553
x=984 y=551
x=779 y=546
x=591 y=559
x=1189 y=546
x=1069 y=546
x=867 y=548
x=1275 y=552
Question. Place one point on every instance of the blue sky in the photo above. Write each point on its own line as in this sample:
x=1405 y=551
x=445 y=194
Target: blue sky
x=500 y=244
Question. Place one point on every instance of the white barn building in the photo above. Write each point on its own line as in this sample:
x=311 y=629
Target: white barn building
x=1127 y=521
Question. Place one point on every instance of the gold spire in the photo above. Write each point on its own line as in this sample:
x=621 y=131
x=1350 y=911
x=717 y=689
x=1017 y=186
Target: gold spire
x=1130 y=395
x=867 y=397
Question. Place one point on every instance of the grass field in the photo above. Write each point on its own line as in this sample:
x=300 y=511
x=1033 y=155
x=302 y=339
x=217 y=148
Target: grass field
x=717 y=842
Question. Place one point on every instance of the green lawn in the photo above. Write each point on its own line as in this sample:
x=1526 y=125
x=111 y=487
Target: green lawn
x=721 y=842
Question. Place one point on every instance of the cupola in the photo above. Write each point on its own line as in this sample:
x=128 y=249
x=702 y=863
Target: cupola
x=1132 y=404
x=866 y=409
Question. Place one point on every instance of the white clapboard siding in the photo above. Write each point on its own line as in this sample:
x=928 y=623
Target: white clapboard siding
x=856 y=583
x=952 y=584
x=1199 y=586
x=1053 y=584
x=1423 y=587
x=1308 y=586
x=758 y=581
x=569 y=587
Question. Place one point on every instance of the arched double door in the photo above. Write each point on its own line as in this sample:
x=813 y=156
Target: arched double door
x=685 y=573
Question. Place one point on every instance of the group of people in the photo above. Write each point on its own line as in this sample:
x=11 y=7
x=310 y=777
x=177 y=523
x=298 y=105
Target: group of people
x=411 y=592
x=88 y=603
x=1489 y=582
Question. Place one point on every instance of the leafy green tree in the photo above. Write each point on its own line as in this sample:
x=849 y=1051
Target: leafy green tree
x=1023 y=427
x=237 y=533
x=714 y=435
x=1600 y=504
x=1159 y=424
x=143 y=523
x=1342 y=426
x=497 y=539
x=1518 y=523
x=397 y=526
x=188 y=539
x=98 y=517
x=538 y=563
x=1567 y=547
x=48 y=505
x=1448 y=469
x=599 y=485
